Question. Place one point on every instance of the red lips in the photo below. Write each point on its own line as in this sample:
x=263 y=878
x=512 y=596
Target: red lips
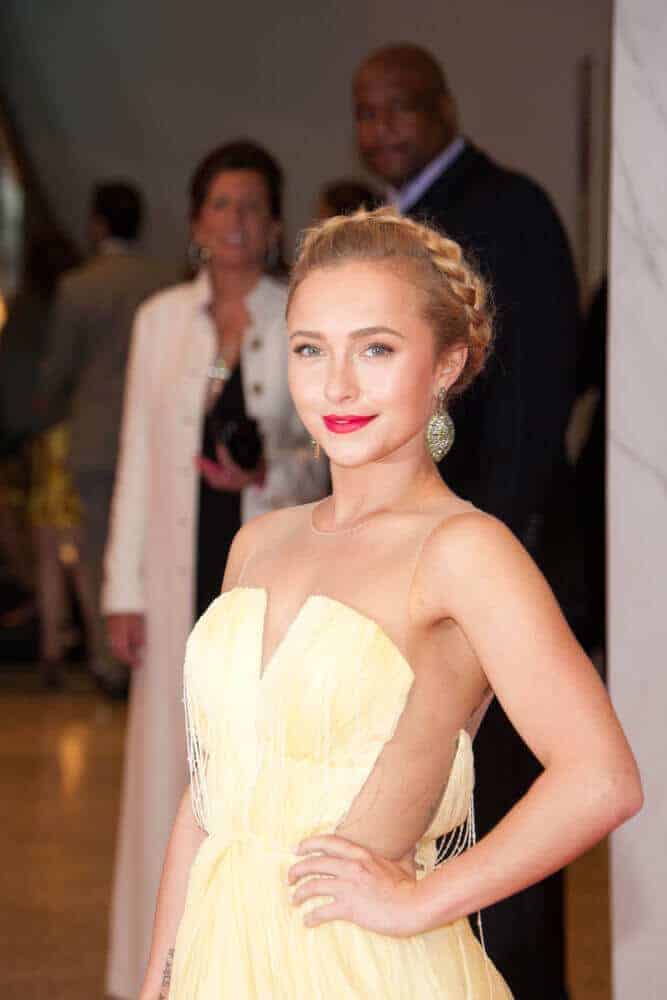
x=345 y=425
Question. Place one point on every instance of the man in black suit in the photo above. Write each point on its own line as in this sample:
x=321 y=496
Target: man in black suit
x=510 y=425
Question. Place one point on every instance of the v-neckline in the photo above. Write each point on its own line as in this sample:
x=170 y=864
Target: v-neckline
x=264 y=670
x=266 y=662
x=265 y=666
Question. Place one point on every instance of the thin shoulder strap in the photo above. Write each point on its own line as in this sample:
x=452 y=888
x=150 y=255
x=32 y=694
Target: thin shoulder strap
x=424 y=537
x=244 y=564
x=267 y=536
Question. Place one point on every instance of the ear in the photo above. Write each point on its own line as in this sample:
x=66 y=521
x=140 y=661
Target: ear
x=450 y=366
x=275 y=231
x=195 y=231
x=449 y=114
x=99 y=228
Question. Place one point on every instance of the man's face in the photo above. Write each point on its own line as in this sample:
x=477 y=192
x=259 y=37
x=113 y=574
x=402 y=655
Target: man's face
x=401 y=124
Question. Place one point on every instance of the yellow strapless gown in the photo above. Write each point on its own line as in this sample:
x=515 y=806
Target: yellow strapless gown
x=280 y=756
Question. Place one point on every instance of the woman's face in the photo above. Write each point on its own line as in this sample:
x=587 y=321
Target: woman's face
x=235 y=224
x=362 y=366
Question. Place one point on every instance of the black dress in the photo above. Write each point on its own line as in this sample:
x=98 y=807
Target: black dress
x=219 y=512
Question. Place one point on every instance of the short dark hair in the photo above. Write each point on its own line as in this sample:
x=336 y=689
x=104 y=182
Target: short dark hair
x=47 y=255
x=414 y=58
x=121 y=206
x=346 y=196
x=243 y=154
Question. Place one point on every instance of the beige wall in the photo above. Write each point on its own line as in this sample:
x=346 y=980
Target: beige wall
x=144 y=88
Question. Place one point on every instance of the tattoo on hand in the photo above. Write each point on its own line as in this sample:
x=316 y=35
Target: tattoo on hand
x=166 y=976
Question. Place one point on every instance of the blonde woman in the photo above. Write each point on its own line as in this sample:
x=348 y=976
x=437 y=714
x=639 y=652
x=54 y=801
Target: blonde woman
x=334 y=688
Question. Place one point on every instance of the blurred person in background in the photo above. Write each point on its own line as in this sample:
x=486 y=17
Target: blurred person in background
x=83 y=377
x=345 y=196
x=210 y=439
x=23 y=339
x=38 y=504
x=509 y=444
x=591 y=473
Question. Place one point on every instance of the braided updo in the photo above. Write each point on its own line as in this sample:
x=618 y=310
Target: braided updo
x=456 y=302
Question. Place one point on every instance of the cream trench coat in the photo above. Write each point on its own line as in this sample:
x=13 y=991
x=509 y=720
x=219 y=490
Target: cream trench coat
x=150 y=561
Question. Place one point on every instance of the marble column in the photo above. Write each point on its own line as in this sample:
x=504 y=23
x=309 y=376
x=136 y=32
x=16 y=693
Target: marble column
x=638 y=485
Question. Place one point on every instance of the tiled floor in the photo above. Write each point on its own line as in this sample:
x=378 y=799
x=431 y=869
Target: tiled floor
x=60 y=758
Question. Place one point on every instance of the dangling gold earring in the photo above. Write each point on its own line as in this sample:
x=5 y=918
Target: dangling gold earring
x=315 y=445
x=198 y=255
x=440 y=429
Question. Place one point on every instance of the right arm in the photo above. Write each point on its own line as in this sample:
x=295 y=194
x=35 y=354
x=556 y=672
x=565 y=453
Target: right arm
x=63 y=359
x=186 y=839
x=123 y=596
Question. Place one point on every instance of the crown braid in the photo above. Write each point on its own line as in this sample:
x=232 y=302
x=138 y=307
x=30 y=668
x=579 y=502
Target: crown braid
x=457 y=300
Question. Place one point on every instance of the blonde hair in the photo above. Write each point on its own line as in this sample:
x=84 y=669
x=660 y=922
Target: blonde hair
x=456 y=298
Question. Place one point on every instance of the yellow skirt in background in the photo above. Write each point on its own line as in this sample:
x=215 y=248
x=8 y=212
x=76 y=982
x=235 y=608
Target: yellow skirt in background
x=53 y=499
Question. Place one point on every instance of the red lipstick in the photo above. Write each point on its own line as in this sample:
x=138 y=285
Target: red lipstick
x=347 y=424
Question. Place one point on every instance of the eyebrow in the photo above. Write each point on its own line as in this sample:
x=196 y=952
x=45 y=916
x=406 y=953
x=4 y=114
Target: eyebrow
x=366 y=331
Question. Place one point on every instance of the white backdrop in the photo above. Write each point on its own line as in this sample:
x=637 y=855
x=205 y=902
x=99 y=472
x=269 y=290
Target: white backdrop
x=144 y=87
x=638 y=486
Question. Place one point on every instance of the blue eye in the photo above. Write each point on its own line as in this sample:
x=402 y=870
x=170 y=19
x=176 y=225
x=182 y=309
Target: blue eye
x=378 y=350
x=307 y=350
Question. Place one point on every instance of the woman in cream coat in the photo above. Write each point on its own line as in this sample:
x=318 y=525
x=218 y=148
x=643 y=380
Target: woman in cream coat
x=231 y=314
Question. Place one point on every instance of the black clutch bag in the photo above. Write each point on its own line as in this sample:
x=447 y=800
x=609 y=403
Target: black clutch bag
x=242 y=440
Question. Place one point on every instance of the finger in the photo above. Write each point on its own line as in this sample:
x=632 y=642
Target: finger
x=210 y=468
x=138 y=635
x=216 y=483
x=322 y=864
x=216 y=478
x=329 y=887
x=223 y=454
x=324 y=914
x=136 y=657
x=120 y=649
x=336 y=847
x=205 y=474
x=217 y=474
x=122 y=652
x=226 y=460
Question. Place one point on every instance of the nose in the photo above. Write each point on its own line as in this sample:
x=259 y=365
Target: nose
x=383 y=123
x=341 y=384
x=235 y=214
x=379 y=126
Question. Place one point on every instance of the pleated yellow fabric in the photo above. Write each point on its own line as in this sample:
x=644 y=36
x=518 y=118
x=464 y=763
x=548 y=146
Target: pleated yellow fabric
x=280 y=755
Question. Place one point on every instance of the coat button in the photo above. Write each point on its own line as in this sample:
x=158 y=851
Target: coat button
x=255 y=344
x=258 y=388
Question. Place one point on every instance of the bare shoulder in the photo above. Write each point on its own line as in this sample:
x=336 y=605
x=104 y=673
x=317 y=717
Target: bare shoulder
x=261 y=529
x=465 y=536
x=260 y=532
x=469 y=554
x=274 y=522
x=469 y=534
